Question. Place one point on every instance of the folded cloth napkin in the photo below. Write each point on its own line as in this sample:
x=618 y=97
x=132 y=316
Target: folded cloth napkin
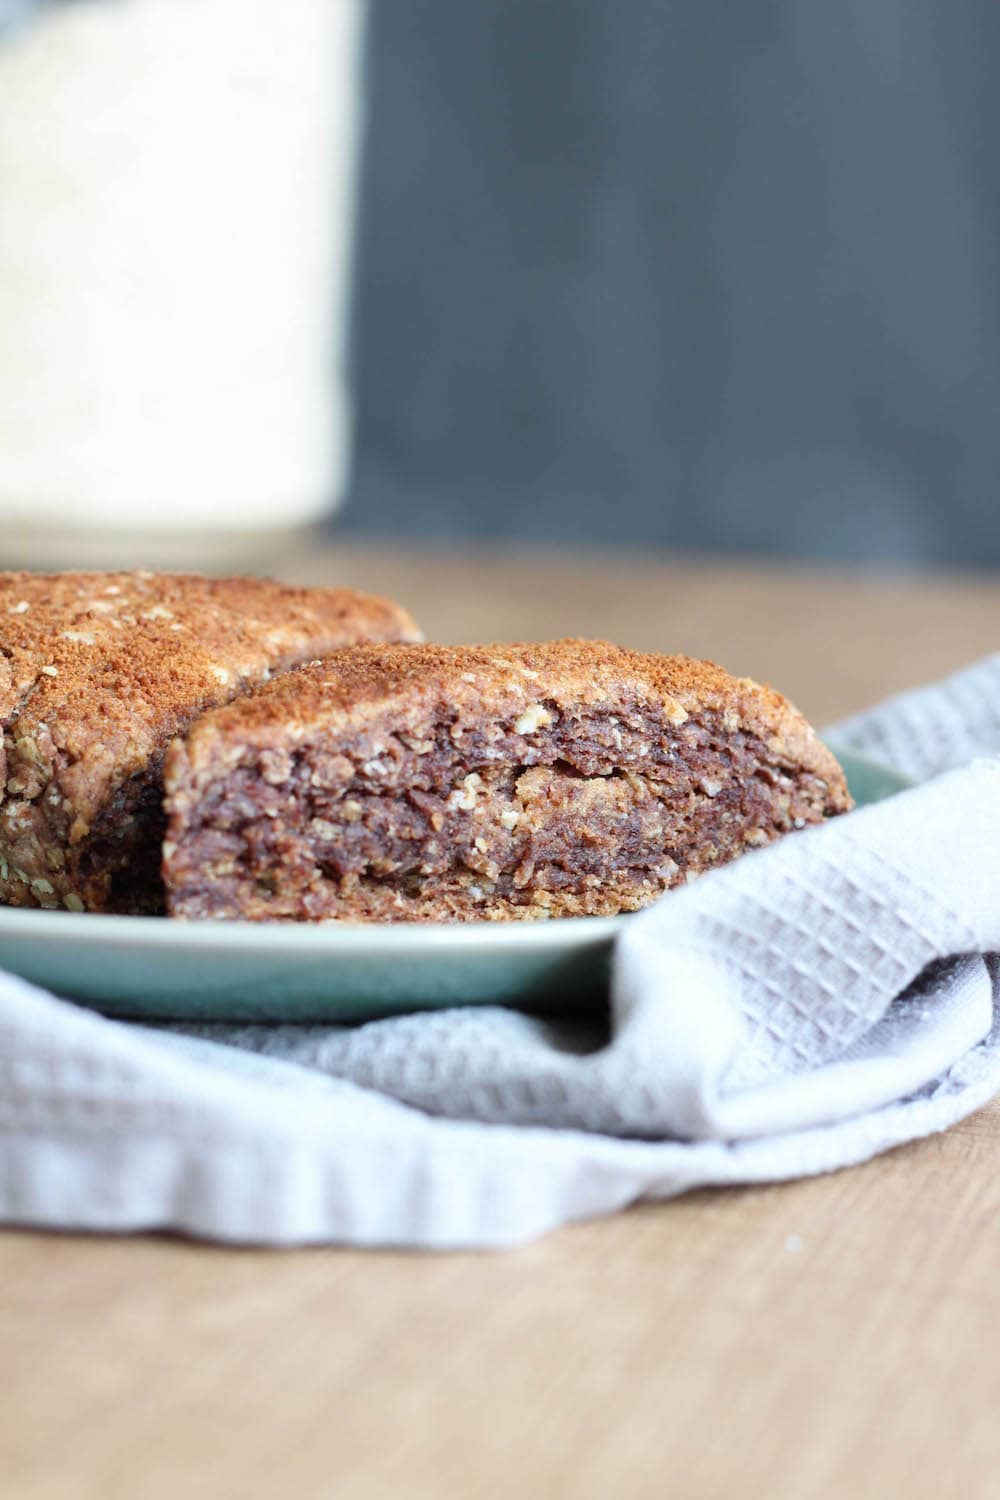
x=810 y=1005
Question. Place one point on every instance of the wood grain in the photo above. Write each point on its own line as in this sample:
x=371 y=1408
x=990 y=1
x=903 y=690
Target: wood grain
x=832 y=641
x=823 y=1338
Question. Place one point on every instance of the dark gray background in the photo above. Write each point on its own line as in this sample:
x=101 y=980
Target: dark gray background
x=698 y=273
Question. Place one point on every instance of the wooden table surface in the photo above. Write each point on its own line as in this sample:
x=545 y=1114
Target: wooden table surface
x=824 y=1338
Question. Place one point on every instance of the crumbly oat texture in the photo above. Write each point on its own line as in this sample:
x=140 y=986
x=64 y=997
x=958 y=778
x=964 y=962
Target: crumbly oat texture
x=429 y=783
x=98 y=672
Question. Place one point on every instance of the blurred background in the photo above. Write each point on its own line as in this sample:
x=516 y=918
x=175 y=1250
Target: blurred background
x=665 y=275
x=721 y=274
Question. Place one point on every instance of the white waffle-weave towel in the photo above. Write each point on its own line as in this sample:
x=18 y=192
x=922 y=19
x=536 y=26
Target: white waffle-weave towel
x=802 y=1009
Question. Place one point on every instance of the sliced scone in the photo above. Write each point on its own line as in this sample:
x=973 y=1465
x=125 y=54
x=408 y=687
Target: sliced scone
x=434 y=783
x=98 y=673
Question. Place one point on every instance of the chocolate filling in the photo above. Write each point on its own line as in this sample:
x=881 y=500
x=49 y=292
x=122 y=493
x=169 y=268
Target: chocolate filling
x=114 y=867
x=584 y=813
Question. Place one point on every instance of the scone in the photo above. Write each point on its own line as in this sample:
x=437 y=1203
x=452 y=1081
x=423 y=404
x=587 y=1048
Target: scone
x=98 y=673
x=434 y=783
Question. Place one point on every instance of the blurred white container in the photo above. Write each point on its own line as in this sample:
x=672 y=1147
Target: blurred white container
x=177 y=182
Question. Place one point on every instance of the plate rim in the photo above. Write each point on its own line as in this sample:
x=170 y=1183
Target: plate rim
x=100 y=927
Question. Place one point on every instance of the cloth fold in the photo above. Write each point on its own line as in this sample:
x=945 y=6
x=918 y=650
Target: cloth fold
x=802 y=1009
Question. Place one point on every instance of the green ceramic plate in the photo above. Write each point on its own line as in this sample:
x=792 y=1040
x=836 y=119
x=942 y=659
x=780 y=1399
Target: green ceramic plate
x=153 y=969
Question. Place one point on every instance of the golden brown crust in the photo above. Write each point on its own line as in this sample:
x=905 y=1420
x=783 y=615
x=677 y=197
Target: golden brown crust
x=372 y=679
x=425 y=783
x=98 y=671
